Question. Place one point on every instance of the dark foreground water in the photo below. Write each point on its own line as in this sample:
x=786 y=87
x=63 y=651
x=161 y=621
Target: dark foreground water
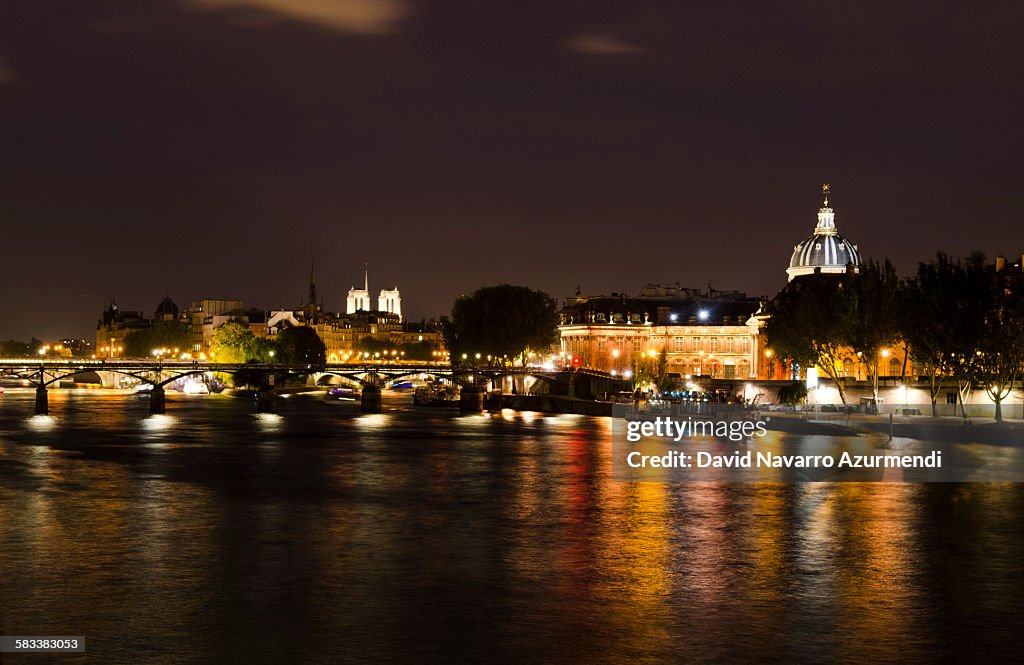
x=323 y=536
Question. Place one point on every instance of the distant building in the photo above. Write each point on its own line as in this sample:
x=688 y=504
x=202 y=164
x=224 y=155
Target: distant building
x=343 y=334
x=359 y=299
x=78 y=346
x=388 y=300
x=703 y=332
x=829 y=256
x=208 y=314
x=825 y=251
x=114 y=325
x=166 y=311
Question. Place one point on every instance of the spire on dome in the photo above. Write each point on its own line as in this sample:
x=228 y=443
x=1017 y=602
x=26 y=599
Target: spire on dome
x=366 y=278
x=826 y=218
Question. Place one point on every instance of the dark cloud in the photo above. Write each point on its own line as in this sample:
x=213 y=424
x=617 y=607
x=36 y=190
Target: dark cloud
x=208 y=148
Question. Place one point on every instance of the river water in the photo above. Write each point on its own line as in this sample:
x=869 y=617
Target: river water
x=320 y=535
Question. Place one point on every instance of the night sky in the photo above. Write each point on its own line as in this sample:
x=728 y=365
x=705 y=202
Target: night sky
x=212 y=148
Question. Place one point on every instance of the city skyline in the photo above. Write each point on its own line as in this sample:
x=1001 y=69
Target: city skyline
x=210 y=148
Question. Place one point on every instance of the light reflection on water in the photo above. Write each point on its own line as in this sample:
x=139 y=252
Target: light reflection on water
x=41 y=423
x=324 y=535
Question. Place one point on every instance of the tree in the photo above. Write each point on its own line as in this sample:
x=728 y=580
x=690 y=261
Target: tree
x=233 y=342
x=874 y=296
x=927 y=320
x=161 y=335
x=1001 y=353
x=300 y=345
x=969 y=300
x=648 y=369
x=501 y=321
x=809 y=324
x=14 y=349
x=261 y=350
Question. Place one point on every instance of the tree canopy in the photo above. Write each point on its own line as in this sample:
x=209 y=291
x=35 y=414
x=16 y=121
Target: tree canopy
x=961 y=320
x=874 y=309
x=233 y=342
x=11 y=348
x=301 y=345
x=810 y=322
x=503 y=321
x=161 y=335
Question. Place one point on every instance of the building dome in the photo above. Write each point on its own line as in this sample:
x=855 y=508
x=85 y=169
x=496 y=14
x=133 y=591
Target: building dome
x=825 y=251
x=166 y=310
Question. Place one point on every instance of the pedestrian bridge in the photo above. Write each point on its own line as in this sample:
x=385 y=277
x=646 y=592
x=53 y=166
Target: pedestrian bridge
x=45 y=374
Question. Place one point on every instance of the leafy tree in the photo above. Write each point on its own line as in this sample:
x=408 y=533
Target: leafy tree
x=874 y=296
x=418 y=350
x=300 y=345
x=233 y=342
x=262 y=350
x=969 y=301
x=371 y=345
x=14 y=349
x=162 y=335
x=501 y=321
x=651 y=369
x=1001 y=352
x=809 y=324
x=928 y=318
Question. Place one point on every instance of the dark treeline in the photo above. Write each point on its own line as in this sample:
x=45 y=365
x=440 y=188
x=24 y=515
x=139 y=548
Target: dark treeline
x=12 y=348
x=961 y=321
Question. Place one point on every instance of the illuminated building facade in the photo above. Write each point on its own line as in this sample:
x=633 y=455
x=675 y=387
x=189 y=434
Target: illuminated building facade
x=704 y=333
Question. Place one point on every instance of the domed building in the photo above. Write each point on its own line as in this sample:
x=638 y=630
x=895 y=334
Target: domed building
x=166 y=311
x=825 y=251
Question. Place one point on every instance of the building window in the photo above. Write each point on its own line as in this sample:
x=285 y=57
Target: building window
x=714 y=345
x=636 y=345
x=951 y=398
x=728 y=344
x=895 y=367
x=678 y=345
x=695 y=344
x=600 y=344
x=730 y=371
x=745 y=345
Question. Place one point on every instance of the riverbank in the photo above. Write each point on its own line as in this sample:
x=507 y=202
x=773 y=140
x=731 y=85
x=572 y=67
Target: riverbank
x=981 y=430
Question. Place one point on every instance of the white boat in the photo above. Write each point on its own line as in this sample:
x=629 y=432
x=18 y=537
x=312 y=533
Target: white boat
x=193 y=387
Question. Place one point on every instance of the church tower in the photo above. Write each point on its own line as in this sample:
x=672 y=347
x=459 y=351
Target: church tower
x=390 y=301
x=359 y=299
